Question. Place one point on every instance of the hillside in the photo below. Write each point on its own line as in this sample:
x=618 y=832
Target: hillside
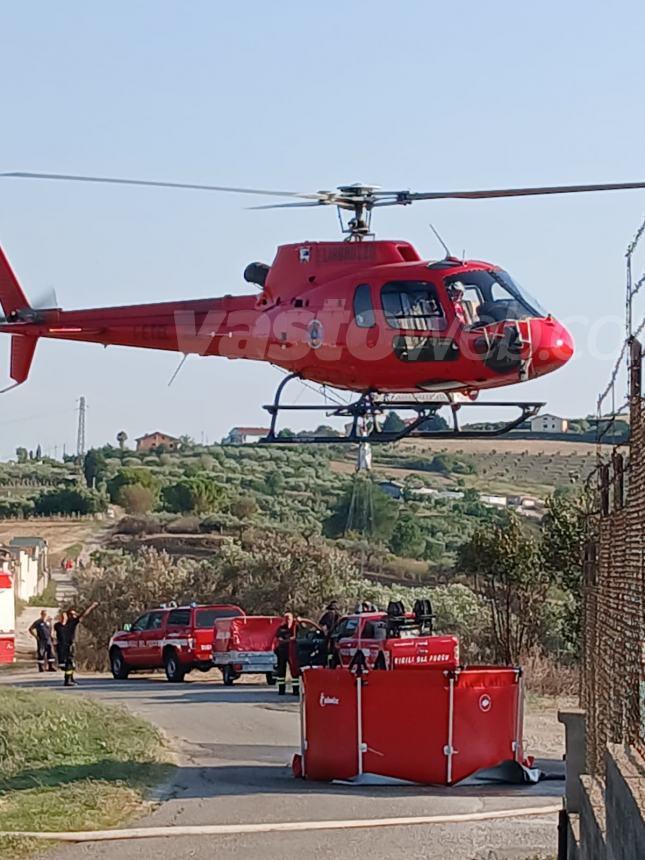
x=189 y=501
x=499 y=466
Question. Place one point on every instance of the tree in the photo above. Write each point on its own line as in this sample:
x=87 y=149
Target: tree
x=563 y=535
x=131 y=475
x=365 y=509
x=198 y=494
x=39 y=452
x=407 y=538
x=393 y=423
x=22 y=455
x=508 y=573
x=136 y=499
x=68 y=500
x=270 y=573
x=94 y=466
x=122 y=438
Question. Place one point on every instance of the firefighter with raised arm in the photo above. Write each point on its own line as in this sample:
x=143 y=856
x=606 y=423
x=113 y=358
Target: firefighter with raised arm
x=69 y=642
x=284 y=636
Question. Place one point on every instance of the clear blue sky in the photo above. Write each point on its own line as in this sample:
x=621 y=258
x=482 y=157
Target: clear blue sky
x=291 y=95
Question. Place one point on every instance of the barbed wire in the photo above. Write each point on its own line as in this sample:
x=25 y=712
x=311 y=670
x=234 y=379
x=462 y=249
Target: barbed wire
x=630 y=292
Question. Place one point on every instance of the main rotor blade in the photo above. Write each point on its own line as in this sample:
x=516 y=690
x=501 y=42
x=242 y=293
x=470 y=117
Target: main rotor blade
x=409 y=196
x=288 y=205
x=109 y=180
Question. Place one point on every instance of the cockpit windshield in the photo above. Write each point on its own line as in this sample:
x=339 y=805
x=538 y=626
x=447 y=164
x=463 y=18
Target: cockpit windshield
x=486 y=296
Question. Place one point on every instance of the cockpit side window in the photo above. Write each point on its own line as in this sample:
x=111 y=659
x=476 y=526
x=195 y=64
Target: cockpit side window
x=412 y=305
x=363 y=307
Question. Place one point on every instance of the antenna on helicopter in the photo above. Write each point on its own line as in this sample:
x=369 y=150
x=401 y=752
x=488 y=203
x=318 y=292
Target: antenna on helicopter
x=440 y=240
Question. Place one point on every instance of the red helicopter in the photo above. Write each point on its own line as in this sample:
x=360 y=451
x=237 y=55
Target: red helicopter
x=363 y=315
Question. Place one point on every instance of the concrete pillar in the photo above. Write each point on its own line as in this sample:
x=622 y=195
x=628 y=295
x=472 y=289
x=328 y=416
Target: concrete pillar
x=575 y=756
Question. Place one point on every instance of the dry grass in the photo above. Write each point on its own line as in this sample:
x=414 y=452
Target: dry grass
x=59 y=534
x=544 y=677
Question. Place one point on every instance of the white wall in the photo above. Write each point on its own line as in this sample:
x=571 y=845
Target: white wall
x=26 y=575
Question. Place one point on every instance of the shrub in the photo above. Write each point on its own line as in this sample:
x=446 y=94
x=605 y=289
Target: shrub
x=125 y=476
x=137 y=526
x=135 y=498
x=244 y=507
x=183 y=525
x=198 y=494
x=67 y=500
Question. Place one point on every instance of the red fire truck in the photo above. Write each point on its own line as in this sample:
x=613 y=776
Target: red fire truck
x=394 y=639
x=175 y=638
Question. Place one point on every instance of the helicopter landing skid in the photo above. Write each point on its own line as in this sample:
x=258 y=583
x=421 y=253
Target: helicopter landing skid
x=366 y=415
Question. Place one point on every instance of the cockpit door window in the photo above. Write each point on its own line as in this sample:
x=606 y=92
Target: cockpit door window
x=412 y=305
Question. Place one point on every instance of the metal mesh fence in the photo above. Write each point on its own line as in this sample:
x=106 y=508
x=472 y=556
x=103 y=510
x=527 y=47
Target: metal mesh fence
x=613 y=665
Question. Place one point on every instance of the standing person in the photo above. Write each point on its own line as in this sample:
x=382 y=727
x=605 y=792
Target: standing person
x=329 y=619
x=59 y=631
x=42 y=633
x=284 y=635
x=69 y=641
x=328 y=623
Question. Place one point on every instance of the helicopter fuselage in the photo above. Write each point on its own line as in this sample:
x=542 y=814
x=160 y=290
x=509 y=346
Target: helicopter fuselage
x=368 y=316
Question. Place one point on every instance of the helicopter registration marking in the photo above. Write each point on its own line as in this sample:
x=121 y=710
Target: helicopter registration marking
x=151 y=331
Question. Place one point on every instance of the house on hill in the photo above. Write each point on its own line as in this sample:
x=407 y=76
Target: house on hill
x=548 y=424
x=152 y=441
x=245 y=435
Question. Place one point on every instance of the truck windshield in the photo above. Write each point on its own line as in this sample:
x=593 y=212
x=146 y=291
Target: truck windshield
x=486 y=296
x=207 y=617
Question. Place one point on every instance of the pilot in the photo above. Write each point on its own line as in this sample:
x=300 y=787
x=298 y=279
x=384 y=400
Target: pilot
x=456 y=296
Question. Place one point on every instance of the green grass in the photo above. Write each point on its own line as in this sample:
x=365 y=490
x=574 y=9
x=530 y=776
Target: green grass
x=70 y=764
x=47 y=598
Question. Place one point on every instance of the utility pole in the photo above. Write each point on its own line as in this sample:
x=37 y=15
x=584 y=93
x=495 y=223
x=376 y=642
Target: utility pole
x=80 y=438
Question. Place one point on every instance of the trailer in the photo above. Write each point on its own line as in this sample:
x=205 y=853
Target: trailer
x=245 y=646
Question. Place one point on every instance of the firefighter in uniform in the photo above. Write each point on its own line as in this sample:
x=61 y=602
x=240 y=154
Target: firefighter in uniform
x=42 y=633
x=285 y=634
x=69 y=642
x=59 y=630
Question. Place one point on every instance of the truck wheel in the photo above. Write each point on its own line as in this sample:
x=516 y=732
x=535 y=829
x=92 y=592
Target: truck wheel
x=229 y=676
x=270 y=679
x=120 y=671
x=174 y=671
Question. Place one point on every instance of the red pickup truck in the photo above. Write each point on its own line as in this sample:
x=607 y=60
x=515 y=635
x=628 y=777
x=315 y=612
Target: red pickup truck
x=177 y=639
x=394 y=640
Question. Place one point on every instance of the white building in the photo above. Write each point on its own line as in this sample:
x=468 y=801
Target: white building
x=493 y=501
x=30 y=568
x=548 y=424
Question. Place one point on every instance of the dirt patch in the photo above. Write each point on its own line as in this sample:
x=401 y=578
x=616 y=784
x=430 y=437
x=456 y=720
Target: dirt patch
x=59 y=534
x=543 y=734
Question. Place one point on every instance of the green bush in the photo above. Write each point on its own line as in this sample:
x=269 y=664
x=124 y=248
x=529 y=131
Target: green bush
x=197 y=494
x=69 y=501
x=129 y=475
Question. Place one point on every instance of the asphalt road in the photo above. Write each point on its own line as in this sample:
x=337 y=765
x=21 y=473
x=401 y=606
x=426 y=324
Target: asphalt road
x=235 y=746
